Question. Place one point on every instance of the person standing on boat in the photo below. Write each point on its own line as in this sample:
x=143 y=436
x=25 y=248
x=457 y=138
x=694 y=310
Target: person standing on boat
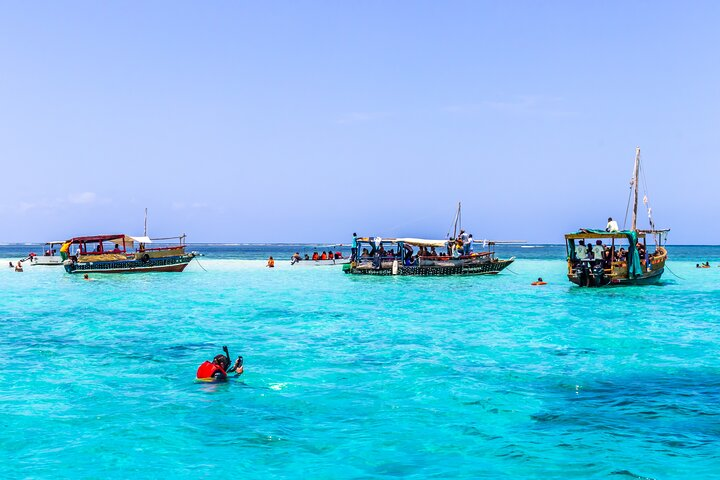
x=581 y=251
x=612 y=225
x=598 y=252
x=353 y=256
x=469 y=245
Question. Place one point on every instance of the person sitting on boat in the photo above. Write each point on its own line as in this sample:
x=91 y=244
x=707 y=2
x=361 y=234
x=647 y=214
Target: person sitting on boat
x=295 y=258
x=98 y=248
x=469 y=245
x=457 y=251
x=377 y=260
x=641 y=249
x=612 y=225
x=338 y=255
x=607 y=256
x=315 y=256
x=365 y=253
x=307 y=257
x=598 y=252
x=116 y=249
x=433 y=253
x=271 y=262
x=581 y=251
x=324 y=255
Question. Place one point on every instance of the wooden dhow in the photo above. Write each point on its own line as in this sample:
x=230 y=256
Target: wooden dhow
x=122 y=253
x=597 y=258
x=425 y=257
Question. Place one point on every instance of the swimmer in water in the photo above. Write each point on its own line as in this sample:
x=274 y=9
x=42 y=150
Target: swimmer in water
x=217 y=370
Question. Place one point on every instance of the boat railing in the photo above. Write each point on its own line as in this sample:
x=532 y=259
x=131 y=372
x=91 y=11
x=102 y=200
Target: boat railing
x=169 y=247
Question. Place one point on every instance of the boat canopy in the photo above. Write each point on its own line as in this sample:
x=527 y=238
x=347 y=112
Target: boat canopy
x=634 y=266
x=117 y=238
x=55 y=242
x=585 y=233
x=416 y=242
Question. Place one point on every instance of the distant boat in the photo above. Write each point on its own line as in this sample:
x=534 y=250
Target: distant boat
x=118 y=254
x=50 y=256
x=613 y=263
x=397 y=256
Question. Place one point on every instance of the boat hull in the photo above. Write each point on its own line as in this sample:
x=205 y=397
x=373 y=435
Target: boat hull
x=487 y=268
x=47 y=261
x=650 y=278
x=162 y=264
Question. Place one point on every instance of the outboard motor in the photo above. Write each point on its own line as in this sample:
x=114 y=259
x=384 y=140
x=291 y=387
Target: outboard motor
x=598 y=274
x=581 y=273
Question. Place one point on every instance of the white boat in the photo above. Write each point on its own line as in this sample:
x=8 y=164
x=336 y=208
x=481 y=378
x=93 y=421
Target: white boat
x=50 y=256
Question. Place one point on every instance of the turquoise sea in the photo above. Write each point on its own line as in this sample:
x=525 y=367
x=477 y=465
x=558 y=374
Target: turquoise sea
x=355 y=377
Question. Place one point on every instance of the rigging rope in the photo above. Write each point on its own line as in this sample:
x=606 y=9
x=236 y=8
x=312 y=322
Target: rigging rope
x=678 y=276
x=627 y=209
x=198 y=262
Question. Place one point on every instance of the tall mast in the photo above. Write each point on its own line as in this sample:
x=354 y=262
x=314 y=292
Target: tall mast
x=145 y=232
x=635 y=188
x=457 y=219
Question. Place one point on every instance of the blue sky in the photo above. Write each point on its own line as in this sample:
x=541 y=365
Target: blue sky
x=306 y=121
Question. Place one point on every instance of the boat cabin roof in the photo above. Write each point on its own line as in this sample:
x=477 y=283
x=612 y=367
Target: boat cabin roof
x=117 y=238
x=416 y=242
x=585 y=233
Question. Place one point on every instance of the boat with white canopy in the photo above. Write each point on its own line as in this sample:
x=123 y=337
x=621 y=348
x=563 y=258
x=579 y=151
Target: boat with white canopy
x=455 y=255
x=50 y=256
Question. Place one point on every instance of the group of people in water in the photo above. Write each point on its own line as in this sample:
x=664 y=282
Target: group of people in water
x=325 y=255
x=703 y=265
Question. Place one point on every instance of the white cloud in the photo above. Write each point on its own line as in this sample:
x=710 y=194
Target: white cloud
x=83 y=198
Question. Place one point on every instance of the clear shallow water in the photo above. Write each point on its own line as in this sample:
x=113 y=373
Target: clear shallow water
x=350 y=377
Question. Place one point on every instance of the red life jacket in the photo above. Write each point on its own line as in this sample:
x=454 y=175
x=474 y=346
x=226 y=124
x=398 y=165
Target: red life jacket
x=209 y=369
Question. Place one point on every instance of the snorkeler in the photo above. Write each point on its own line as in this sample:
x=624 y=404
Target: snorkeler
x=217 y=370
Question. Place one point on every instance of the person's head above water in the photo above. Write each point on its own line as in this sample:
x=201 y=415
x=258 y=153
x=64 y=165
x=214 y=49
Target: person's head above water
x=539 y=279
x=221 y=360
